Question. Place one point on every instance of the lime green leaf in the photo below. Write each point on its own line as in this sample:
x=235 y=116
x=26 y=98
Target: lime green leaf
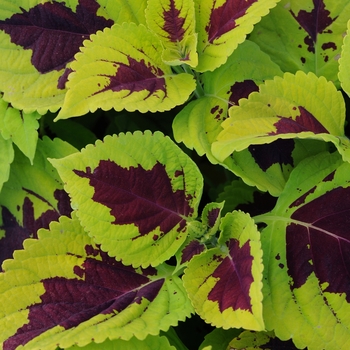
x=344 y=63
x=173 y=22
x=225 y=283
x=62 y=290
x=38 y=41
x=134 y=194
x=199 y=123
x=121 y=68
x=222 y=25
x=20 y=127
x=306 y=256
x=6 y=158
x=305 y=35
x=149 y=343
x=32 y=197
x=299 y=105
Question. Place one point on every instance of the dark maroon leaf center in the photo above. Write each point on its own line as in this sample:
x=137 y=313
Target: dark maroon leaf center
x=322 y=243
x=314 y=22
x=235 y=278
x=137 y=196
x=223 y=18
x=174 y=23
x=304 y=122
x=242 y=90
x=54 y=32
x=136 y=76
x=108 y=286
x=193 y=248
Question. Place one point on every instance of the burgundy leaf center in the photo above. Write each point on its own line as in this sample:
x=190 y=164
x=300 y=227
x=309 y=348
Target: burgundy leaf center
x=322 y=244
x=54 y=32
x=223 y=18
x=108 y=286
x=136 y=76
x=235 y=278
x=304 y=122
x=174 y=23
x=137 y=196
x=314 y=22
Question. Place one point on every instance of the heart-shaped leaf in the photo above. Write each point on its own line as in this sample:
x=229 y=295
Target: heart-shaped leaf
x=134 y=194
x=306 y=256
x=62 y=290
x=225 y=283
x=128 y=73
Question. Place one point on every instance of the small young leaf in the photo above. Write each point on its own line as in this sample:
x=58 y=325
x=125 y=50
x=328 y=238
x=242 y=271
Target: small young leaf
x=20 y=127
x=306 y=256
x=305 y=35
x=222 y=25
x=32 y=197
x=122 y=68
x=62 y=290
x=44 y=39
x=211 y=216
x=299 y=105
x=134 y=194
x=174 y=23
x=225 y=283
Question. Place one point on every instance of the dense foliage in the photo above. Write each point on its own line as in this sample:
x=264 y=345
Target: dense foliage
x=201 y=199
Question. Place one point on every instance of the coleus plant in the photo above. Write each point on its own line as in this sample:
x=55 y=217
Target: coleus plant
x=244 y=225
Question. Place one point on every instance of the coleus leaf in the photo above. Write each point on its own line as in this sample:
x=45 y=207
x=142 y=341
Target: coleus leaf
x=306 y=256
x=267 y=166
x=134 y=194
x=174 y=23
x=300 y=105
x=62 y=290
x=19 y=127
x=305 y=36
x=44 y=39
x=198 y=124
x=222 y=25
x=127 y=72
x=27 y=205
x=225 y=283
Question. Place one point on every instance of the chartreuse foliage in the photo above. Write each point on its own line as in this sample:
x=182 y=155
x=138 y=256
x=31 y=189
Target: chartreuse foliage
x=117 y=243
